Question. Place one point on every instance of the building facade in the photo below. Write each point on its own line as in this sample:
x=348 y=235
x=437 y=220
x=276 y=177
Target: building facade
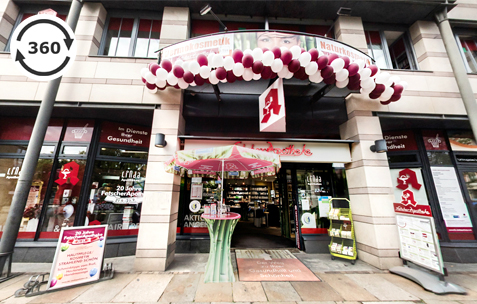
x=99 y=161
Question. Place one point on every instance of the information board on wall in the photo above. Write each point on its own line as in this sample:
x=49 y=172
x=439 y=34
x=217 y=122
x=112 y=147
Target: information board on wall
x=78 y=257
x=453 y=207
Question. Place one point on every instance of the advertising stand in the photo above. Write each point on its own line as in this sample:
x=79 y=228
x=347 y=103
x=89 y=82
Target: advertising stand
x=343 y=241
x=78 y=261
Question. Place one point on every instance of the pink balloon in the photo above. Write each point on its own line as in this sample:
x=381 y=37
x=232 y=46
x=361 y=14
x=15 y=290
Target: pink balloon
x=347 y=61
x=257 y=67
x=332 y=57
x=353 y=69
x=286 y=57
x=330 y=80
x=247 y=61
x=354 y=79
x=322 y=62
x=395 y=97
x=398 y=89
x=314 y=54
x=150 y=86
x=379 y=89
x=277 y=52
x=266 y=72
x=221 y=73
x=178 y=71
x=374 y=69
x=327 y=72
x=199 y=80
x=294 y=65
x=153 y=68
x=237 y=55
x=188 y=77
x=202 y=60
x=231 y=77
x=166 y=65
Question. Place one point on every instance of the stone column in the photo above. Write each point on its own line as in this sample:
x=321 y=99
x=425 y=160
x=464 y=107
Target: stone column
x=350 y=31
x=371 y=192
x=90 y=29
x=8 y=16
x=157 y=230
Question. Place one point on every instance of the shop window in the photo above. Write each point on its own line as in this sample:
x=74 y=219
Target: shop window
x=470 y=178
x=14 y=128
x=121 y=152
x=74 y=150
x=131 y=37
x=403 y=158
x=116 y=196
x=391 y=49
x=439 y=158
x=469 y=52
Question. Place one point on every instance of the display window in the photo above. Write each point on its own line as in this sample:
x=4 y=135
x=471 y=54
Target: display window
x=15 y=128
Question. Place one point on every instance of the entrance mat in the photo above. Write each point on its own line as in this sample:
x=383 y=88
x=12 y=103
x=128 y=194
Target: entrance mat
x=272 y=265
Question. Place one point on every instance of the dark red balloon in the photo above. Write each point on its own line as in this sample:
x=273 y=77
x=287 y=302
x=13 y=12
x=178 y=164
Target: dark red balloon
x=314 y=54
x=395 y=97
x=385 y=102
x=240 y=78
x=398 y=89
x=178 y=71
x=330 y=80
x=353 y=86
x=143 y=79
x=162 y=89
x=354 y=79
x=266 y=72
x=374 y=95
x=379 y=89
x=177 y=86
x=264 y=50
x=300 y=74
x=221 y=73
x=247 y=61
x=294 y=65
x=153 y=68
x=374 y=69
x=322 y=62
x=353 y=69
x=326 y=72
x=167 y=65
x=231 y=77
x=332 y=57
x=257 y=67
x=202 y=60
x=277 y=52
x=274 y=75
x=237 y=55
x=346 y=60
x=150 y=86
x=188 y=77
x=286 y=57
x=199 y=80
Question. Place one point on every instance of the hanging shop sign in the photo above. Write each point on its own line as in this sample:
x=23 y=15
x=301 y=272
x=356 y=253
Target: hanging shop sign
x=123 y=134
x=462 y=140
x=288 y=151
x=453 y=207
x=271 y=106
x=434 y=140
x=78 y=256
x=400 y=141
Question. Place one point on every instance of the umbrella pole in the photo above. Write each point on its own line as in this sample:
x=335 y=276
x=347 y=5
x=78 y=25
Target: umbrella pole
x=222 y=187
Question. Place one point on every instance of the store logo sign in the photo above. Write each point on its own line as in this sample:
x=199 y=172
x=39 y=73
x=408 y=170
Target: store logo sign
x=272 y=108
x=435 y=142
x=69 y=172
x=313 y=180
x=13 y=173
x=80 y=132
x=407 y=198
x=407 y=178
x=422 y=210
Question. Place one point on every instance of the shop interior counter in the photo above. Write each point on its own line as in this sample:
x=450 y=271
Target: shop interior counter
x=219 y=266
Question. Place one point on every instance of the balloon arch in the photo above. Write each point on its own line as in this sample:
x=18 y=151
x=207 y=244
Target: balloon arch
x=269 y=54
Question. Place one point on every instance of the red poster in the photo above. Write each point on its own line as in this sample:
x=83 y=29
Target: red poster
x=125 y=134
x=400 y=141
x=14 y=128
x=434 y=140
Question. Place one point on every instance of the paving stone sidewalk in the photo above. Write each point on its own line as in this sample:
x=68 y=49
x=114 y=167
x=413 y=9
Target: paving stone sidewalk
x=342 y=283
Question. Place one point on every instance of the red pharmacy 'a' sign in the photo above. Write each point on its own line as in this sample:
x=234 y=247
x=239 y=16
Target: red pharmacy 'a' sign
x=272 y=108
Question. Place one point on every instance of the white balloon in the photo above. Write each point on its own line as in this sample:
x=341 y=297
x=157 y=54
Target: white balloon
x=209 y=59
x=204 y=71
x=360 y=63
x=186 y=65
x=316 y=78
x=283 y=48
x=296 y=51
x=367 y=90
x=277 y=65
x=153 y=91
x=342 y=84
x=178 y=62
x=247 y=74
x=404 y=84
x=238 y=69
x=367 y=83
x=395 y=79
x=383 y=78
x=217 y=61
x=144 y=72
x=193 y=84
x=223 y=80
x=337 y=64
x=213 y=78
x=248 y=52
x=365 y=73
x=388 y=83
x=68 y=210
x=194 y=67
x=289 y=75
x=182 y=84
x=171 y=79
x=257 y=76
x=161 y=83
x=304 y=59
x=388 y=92
x=268 y=58
x=150 y=77
x=257 y=54
x=342 y=75
x=311 y=68
x=229 y=63
x=283 y=72
x=320 y=53
x=161 y=74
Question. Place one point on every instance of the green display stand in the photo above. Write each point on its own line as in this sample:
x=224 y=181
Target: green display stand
x=219 y=266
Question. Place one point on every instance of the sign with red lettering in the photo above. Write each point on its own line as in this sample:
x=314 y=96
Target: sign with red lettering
x=124 y=134
x=69 y=171
x=422 y=210
x=400 y=141
x=272 y=108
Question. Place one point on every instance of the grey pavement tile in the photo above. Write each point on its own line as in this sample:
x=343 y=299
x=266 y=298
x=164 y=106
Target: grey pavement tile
x=468 y=301
x=274 y=302
x=280 y=291
x=316 y=302
x=105 y=291
x=391 y=302
x=248 y=292
x=8 y=288
x=181 y=288
x=316 y=291
x=466 y=281
x=19 y=300
x=146 y=287
x=230 y=303
x=190 y=303
x=347 y=287
x=441 y=302
x=419 y=292
x=213 y=292
x=60 y=296
x=321 y=262
x=381 y=288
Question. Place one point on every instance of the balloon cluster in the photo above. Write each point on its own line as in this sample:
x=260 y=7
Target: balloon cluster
x=285 y=63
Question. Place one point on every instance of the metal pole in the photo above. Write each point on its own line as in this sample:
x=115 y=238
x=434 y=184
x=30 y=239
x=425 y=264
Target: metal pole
x=458 y=67
x=15 y=214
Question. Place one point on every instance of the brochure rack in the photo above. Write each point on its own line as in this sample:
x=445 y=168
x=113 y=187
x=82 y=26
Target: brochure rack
x=343 y=240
